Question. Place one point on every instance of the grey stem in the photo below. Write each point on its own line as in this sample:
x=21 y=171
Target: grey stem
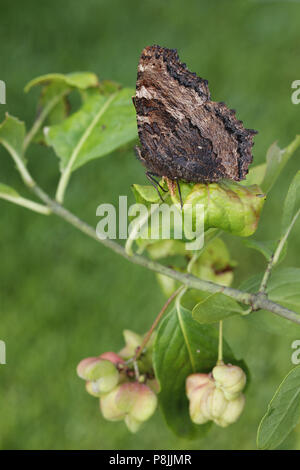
x=256 y=301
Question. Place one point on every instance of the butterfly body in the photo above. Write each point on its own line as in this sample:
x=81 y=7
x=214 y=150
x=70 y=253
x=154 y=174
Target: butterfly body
x=183 y=134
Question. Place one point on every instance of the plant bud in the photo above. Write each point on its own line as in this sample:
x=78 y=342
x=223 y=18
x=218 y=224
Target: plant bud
x=99 y=370
x=231 y=379
x=232 y=412
x=132 y=342
x=109 y=408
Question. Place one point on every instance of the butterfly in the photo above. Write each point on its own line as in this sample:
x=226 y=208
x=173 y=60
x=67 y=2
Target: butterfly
x=183 y=134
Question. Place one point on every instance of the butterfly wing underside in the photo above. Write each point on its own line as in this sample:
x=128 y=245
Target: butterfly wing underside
x=183 y=134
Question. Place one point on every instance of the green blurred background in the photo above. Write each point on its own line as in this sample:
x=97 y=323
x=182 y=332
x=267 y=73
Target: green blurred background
x=64 y=297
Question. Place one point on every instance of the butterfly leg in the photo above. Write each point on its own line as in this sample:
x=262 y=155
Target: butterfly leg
x=150 y=176
x=179 y=193
x=172 y=188
x=155 y=184
x=171 y=185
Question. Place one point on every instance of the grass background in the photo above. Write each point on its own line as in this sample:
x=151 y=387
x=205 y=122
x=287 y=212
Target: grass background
x=62 y=296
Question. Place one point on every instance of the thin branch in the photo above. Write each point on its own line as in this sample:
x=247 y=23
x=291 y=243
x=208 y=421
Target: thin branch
x=220 y=347
x=254 y=300
x=155 y=323
x=275 y=256
x=138 y=227
x=19 y=164
x=22 y=201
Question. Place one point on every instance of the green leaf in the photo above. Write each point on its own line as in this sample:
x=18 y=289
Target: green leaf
x=266 y=248
x=283 y=412
x=215 y=263
x=81 y=80
x=12 y=137
x=216 y=307
x=182 y=347
x=153 y=222
x=227 y=205
x=276 y=160
x=165 y=248
x=12 y=133
x=290 y=202
x=103 y=124
x=106 y=87
x=59 y=111
x=256 y=175
x=144 y=194
x=283 y=288
x=53 y=106
x=9 y=194
x=167 y=285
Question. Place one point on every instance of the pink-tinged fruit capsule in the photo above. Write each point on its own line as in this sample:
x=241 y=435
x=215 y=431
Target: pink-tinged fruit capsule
x=231 y=379
x=99 y=370
x=232 y=412
x=136 y=399
x=195 y=381
x=109 y=407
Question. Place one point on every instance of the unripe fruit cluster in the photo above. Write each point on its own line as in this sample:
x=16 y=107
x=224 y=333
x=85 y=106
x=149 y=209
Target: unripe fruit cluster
x=122 y=396
x=216 y=396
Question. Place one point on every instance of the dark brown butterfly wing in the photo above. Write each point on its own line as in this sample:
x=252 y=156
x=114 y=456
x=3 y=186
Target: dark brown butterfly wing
x=183 y=134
